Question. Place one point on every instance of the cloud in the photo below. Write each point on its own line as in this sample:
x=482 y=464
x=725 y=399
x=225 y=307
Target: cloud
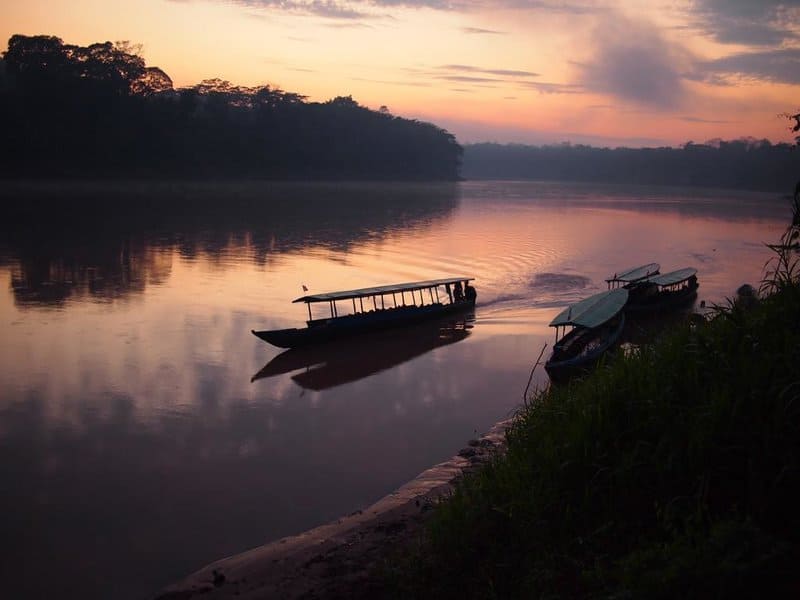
x=749 y=22
x=469 y=79
x=489 y=77
x=347 y=25
x=699 y=120
x=579 y=7
x=359 y=9
x=633 y=62
x=332 y=9
x=499 y=72
x=554 y=88
x=479 y=31
x=777 y=66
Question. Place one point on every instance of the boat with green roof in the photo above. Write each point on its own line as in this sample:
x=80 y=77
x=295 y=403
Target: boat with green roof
x=664 y=292
x=585 y=331
x=630 y=277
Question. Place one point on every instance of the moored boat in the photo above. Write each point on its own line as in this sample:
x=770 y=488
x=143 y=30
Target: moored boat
x=631 y=276
x=664 y=292
x=595 y=323
x=387 y=306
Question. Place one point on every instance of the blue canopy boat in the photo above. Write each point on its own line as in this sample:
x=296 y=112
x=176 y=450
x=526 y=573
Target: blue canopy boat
x=631 y=276
x=596 y=324
x=387 y=306
x=664 y=292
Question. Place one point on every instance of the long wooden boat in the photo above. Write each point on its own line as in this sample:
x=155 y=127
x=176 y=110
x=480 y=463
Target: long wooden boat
x=664 y=292
x=387 y=306
x=592 y=326
x=631 y=276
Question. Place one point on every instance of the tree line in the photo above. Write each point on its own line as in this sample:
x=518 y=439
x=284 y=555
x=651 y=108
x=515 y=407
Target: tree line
x=100 y=111
x=744 y=164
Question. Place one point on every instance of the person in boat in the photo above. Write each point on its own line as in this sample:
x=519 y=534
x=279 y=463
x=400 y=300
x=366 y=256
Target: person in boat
x=469 y=292
x=458 y=292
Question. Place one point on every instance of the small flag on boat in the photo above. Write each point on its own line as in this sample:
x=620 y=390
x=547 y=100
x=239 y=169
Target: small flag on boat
x=305 y=289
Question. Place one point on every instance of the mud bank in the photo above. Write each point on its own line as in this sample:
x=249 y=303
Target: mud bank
x=335 y=560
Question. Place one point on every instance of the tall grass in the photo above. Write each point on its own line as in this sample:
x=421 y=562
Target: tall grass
x=673 y=471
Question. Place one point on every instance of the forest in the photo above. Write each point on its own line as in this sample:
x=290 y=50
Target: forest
x=740 y=164
x=100 y=111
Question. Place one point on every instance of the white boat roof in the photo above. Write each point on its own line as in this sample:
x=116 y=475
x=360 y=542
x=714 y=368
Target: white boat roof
x=673 y=277
x=381 y=289
x=593 y=311
x=636 y=273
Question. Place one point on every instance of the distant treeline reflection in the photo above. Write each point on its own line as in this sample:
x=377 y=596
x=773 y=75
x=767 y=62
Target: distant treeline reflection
x=78 y=111
x=109 y=240
x=740 y=164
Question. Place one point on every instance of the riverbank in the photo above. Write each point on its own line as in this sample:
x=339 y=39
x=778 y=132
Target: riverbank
x=339 y=559
x=671 y=472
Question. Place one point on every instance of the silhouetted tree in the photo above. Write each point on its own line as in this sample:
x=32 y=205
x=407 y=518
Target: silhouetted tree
x=744 y=163
x=100 y=110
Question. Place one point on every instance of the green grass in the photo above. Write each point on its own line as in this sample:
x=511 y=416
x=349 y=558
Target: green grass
x=673 y=471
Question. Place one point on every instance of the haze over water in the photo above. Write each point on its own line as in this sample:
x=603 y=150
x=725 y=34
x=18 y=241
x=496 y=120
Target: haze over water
x=134 y=446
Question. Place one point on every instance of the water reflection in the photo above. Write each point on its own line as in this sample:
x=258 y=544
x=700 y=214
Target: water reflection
x=109 y=240
x=345 y=361
x=714 y=204
x=135 y=448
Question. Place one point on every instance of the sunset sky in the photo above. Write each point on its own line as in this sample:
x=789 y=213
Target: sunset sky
x=610 y=72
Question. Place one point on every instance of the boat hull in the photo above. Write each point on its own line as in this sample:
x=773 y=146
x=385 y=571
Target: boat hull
x=581 y=349
x=327 y=330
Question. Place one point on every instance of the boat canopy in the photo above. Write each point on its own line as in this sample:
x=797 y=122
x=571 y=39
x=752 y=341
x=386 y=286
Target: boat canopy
x=635 y=274
x=593 y=311
x=673 y=277
x=381 y=289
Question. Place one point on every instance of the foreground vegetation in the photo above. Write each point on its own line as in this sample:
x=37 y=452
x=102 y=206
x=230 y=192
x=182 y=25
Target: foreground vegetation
x=670 y=472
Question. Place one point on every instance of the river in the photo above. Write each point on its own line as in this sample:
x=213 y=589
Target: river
x=136 y=444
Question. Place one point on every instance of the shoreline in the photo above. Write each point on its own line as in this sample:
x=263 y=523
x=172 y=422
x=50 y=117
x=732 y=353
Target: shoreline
x=336 y=559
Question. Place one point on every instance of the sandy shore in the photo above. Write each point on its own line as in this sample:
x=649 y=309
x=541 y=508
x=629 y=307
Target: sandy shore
x=336 y=560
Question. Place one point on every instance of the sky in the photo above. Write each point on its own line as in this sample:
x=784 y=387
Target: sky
x=600 y=72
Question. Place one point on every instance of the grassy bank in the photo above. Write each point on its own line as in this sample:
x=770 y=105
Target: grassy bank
x=670 y=472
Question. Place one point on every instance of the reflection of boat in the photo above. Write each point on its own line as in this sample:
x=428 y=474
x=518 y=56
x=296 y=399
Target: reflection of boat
x=343 y=361
x=387 y=307
x=631 y=276
x=664 y=292
x=596 y=323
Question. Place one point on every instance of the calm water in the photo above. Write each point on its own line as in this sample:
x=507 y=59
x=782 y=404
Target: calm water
x=134 y=446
